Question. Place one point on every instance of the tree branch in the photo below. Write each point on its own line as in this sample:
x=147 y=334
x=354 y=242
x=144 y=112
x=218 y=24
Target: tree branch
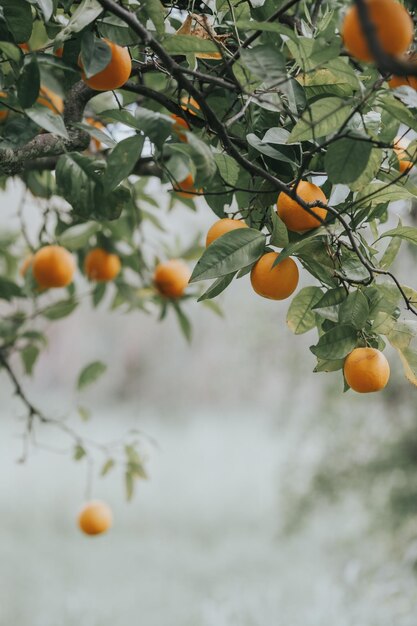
x=14 y=160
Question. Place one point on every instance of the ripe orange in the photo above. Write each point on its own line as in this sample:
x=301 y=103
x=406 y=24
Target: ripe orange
x=399 y=81
x=171 y=278
x=401 y=150
x=101 y=265
x=53 y=266
x=190 y=105
x=366 y=370
x=24 y=47
x=50 y=99
x=115 y=74
x=59 y=52
x=4 y=111
x=393 y=24
x=294 y=216
x=186 y=188
x=221 y=227
x=275 y=283
x=97 y=124
x=180 y=124
x=95 y=518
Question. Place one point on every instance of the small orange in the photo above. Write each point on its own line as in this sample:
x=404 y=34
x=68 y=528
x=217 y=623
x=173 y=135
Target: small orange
x=4 y=111
x=115 y=74
x=53 y=266
x=59 y=52
x=221 y=227
x=275 y=283
x=101 y=265
x=393 y=25
x=95 y=518
x=186 y=188
x=403 y=156
x=180 y=125
x=50 y=99
x=24 y=47
x=96 y=124
x=190 y=105
x=294 y=216
x=171 y=278
x=366 y=370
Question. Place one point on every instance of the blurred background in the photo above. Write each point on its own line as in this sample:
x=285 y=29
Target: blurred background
x=273 y=498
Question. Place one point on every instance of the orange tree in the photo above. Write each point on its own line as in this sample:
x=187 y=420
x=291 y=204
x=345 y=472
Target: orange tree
x=292 y=119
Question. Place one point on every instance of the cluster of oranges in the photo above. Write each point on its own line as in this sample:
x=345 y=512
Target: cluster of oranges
x=54 y=266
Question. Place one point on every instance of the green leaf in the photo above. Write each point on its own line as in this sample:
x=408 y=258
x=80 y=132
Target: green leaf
x=187 y=44
x=301 y=316
x=9 y=289
x=84 y=15
x=78 y=236
x=309 y=53
x=60 y=309
x=74 y=178
x=108 y=465
x=47 y=8
x=323 y=117
x=379 y=193
x=265 y=62
x=183 y=321
x=279 y=235
x=217 y=287
x=346 y=159
x=95 y=54
x=155 y=12
x=10 y=50
x=44 y=118
x=98 y=134
x=231 y=252
x=228 y=168
x=18 y=18
x=79 y=453
x=29 y=354
x=90 y=373
x=336 y=343
x=407 y=233
x=354 y=310
x=28 y=84
x=122 y=160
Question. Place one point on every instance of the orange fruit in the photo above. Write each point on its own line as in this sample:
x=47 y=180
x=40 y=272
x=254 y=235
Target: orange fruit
x=24 y=47
x=400 y=149
x=59 y=52
x=400 y=81
x=221 y=227
x=275 y=283
x=4 y=111
x=366 y=370
x=186 y=188
x=95 y=518
x=180 y=124
x=115 y=74
x=393 y=25
x=53 y=266
x=97 y=124
x=190 y=105
x=171 y=278
x=50 y=99
x=101 y=265
x=294 y=216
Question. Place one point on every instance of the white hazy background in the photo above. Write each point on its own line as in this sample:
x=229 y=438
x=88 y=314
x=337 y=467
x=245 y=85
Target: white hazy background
x=239 y=423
